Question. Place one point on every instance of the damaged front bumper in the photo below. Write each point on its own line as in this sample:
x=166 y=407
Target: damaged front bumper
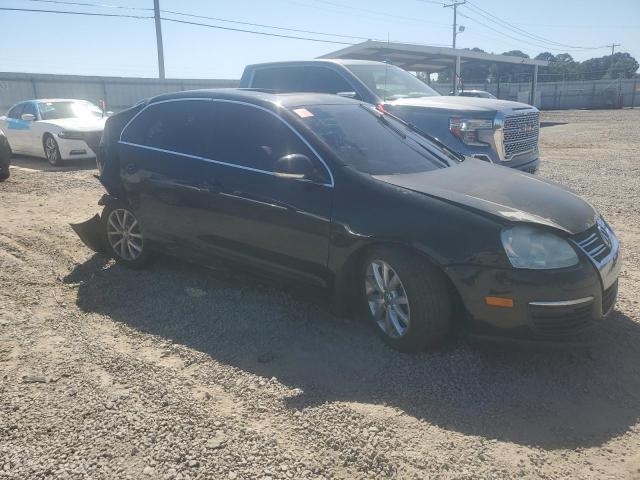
x=92 y=234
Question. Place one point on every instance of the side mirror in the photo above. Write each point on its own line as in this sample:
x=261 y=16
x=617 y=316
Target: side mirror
x=28 y=117
x=295 y=166
x=347 y=94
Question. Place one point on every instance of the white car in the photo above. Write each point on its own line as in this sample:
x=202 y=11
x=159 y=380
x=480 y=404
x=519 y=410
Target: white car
x=55 y=129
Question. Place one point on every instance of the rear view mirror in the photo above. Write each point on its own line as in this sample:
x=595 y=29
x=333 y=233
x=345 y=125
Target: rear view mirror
x=295 y=166
x=347 y=94
x=109 y=113
x=28 y=117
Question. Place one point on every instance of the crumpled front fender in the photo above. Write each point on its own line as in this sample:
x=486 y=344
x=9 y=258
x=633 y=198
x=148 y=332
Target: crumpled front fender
x=92 y=234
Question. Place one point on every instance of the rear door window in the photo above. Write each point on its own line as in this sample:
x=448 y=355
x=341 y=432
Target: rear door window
x=16 y=111
x=227 y=132
x=176 y=126
x=301 y=79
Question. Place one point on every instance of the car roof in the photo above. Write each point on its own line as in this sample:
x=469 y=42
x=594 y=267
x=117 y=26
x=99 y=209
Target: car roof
x=264 y=98
x=338 y=61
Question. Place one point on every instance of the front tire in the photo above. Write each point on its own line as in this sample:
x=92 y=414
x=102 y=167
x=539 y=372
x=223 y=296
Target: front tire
x=124 y=237
x=51 y=150
x=406 y=299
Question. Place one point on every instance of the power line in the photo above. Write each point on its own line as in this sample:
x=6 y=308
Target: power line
x=520 y=40
x=519 y=31
x=217 y=19
x=84 y=4
x=66 y=12
x=220 y=27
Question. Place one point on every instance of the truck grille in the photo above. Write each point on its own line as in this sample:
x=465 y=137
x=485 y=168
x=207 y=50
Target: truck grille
x=597 y=242
x=521 y=134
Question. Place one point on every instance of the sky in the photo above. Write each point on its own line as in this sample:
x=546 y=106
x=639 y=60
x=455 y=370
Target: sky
x=83 y=45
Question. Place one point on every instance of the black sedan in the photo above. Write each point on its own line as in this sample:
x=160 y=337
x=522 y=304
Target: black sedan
x=5 y=157
x=335 y=193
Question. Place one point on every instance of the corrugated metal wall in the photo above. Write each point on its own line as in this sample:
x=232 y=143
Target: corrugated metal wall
x=564 y=95
x=118 y=92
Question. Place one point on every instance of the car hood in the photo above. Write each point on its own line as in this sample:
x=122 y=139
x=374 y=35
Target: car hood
x=502 y=192
x=466 y=104
x=78 y=124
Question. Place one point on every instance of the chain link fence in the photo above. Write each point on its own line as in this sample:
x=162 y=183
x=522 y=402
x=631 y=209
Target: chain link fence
x=562 y=95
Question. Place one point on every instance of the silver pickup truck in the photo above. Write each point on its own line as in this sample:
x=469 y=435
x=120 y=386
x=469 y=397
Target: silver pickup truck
x=497 y=131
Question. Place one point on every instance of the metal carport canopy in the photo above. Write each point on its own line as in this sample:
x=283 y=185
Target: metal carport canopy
x=423 y=58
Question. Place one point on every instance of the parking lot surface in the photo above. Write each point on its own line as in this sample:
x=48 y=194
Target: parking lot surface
x=179 y=372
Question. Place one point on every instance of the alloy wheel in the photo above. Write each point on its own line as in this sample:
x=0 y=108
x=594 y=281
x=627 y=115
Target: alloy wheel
x=124 y=235
x=387 y=299
x=51 y=150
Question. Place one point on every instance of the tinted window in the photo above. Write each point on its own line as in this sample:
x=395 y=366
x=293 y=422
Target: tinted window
x=182 y=127
x=251 y=137
x=285 y=79
x=301 y=79
x=16 y=111
x=222 y=131
x=30 y=108
x=369 y=142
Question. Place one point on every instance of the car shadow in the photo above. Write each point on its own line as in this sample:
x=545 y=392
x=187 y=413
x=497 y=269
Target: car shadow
x=561 y=398
x=551 y=124
x=41 y=164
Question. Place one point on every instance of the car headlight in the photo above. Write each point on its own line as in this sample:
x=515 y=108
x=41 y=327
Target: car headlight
x=530 y=247
x=69 y=135
x=472 y=131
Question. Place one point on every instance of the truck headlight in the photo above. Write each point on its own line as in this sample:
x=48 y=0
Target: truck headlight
x=70 y=135
x=472 y=131
x=530 y=247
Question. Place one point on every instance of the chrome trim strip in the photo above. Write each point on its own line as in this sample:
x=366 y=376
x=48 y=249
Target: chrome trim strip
x=218 y=162
x=238 y=102
x=564 y=303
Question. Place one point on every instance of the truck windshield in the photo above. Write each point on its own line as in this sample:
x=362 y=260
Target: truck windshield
x=390 y=82
x=369 y=141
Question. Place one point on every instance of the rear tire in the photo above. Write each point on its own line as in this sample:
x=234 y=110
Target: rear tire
x=51 y=150
x=4 y=176
x=406 y=299
x=124 y=237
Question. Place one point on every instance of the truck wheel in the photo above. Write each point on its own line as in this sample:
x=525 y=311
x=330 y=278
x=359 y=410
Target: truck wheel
x=406 y=299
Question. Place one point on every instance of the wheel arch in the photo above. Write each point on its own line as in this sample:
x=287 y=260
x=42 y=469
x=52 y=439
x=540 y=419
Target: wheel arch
x=345 y=287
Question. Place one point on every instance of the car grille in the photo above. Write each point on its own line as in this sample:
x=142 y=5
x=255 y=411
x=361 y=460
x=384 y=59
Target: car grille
x=596 y=242
x=609 y=298
x=93 y=140
x=521 y=134
x=559 y=321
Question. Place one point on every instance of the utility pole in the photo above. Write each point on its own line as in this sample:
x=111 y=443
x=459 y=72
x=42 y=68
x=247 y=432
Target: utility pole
x=613 y=49
x=455 y=19
x=156 y=9
x=456 y=68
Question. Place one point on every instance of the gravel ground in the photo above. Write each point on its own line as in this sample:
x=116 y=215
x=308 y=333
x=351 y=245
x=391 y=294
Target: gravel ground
x=181 y=373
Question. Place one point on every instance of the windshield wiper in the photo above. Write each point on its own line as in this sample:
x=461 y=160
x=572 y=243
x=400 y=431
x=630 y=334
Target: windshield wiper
x=380 y=116
x=452 y=153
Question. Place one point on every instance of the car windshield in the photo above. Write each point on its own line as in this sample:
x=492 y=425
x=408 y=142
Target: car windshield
x=68 y=109
x=370 y=141
x=390 y=82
